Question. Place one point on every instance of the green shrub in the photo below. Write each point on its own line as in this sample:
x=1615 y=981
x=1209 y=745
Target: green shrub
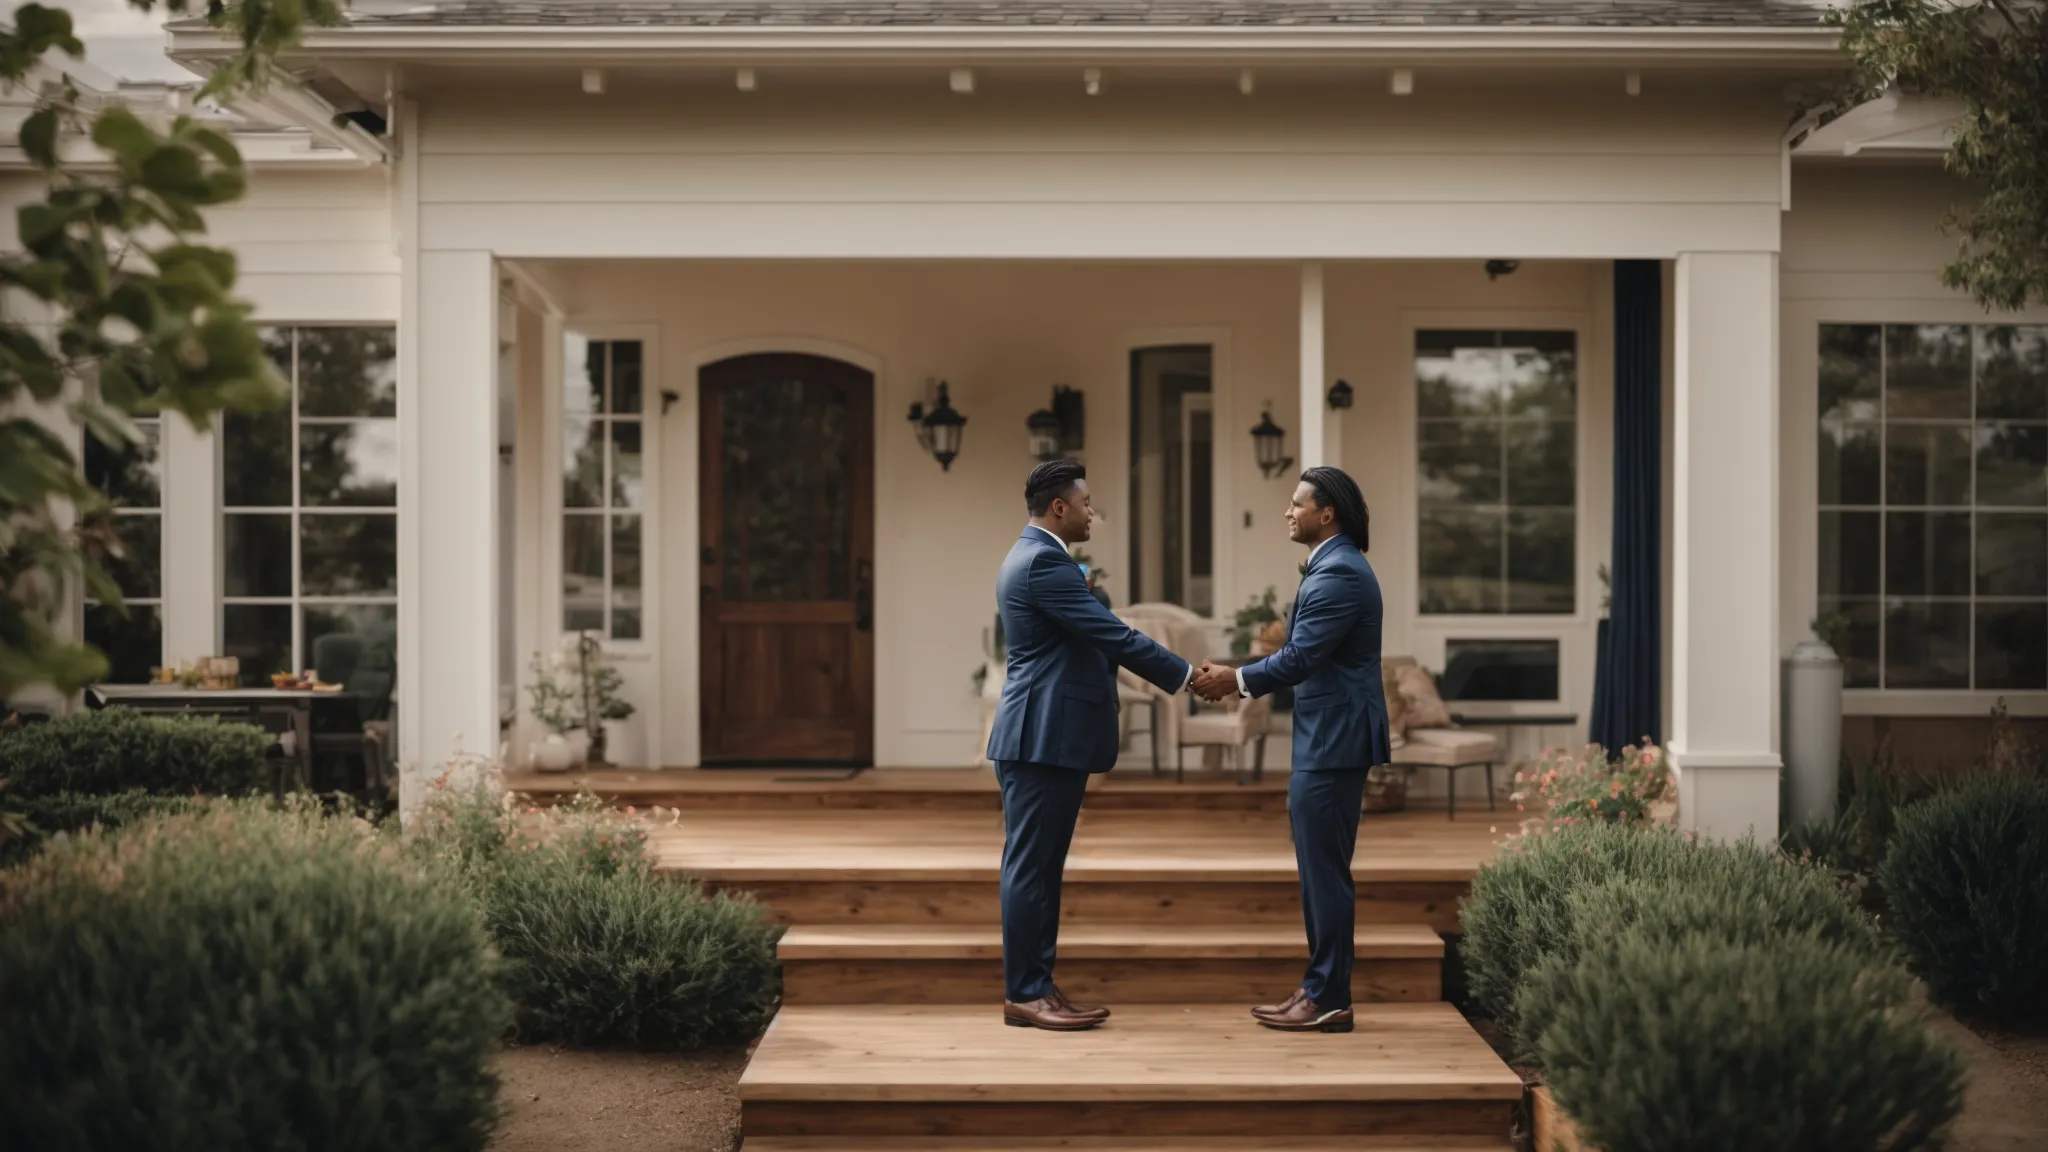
x=1699 y=1044
x=1966 y=877
x=242 y=978
x=1516 y=907
x=628 y=958
x=71 y=812
x=598 y=950
x=1740 y=893
x=121 y=750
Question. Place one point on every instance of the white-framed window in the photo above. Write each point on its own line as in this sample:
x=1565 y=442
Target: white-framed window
x=1497 y=471
x=309 y=503
x=1933 y=511
x=604 y=495
x=1172 y=498
x=131 y=478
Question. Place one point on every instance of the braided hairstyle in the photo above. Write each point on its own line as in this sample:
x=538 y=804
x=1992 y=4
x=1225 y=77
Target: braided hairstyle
x=1339 y=492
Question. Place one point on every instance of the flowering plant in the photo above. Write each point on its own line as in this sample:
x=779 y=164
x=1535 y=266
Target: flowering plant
x=1588 y=786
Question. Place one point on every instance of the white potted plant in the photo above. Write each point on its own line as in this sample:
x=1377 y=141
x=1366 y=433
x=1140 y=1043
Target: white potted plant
x=558 y=707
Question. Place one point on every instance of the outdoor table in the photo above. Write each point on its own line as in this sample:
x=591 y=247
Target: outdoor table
x=294 y=705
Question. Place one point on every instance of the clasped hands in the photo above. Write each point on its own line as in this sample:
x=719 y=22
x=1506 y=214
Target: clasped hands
x=1213 y=683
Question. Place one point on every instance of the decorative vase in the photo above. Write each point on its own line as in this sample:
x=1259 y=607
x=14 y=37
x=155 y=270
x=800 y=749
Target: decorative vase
x=555 y=753
x=622 y=744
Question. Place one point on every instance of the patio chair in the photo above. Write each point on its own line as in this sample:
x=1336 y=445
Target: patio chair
x=1232 y=726
x=1451 y=749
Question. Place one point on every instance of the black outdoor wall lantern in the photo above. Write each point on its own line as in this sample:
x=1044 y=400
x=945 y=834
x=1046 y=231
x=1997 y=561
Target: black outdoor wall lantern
x=1340 y=395
x=1269 y=440
x=938 y=431
x=1052 y=432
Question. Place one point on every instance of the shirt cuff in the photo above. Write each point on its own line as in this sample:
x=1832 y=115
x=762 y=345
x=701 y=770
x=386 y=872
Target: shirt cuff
x=1241 y=690
x=1189 y=679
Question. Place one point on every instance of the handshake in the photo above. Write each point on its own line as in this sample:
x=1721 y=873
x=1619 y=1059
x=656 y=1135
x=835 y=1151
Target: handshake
x=1212 y=682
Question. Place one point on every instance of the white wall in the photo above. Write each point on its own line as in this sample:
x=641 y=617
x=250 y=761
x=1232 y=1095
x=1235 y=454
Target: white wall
x=1003 y=335
x=1864 y=244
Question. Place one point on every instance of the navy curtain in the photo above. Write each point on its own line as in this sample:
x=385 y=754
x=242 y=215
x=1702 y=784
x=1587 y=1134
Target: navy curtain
x=1627 y=675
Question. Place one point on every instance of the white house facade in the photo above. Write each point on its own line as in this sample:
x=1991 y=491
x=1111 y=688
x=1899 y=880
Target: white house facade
x=608 y=317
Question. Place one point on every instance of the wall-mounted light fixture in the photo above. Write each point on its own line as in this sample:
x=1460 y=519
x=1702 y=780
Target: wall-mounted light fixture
x=1269 y=443
x=1340 y=395
x=1042 y=434
x=1059 y=429
x=938 y=431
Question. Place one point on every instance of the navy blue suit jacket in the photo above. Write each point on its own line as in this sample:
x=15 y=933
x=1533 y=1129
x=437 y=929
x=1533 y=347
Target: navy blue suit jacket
x=1059 y=699
x=1332 y=660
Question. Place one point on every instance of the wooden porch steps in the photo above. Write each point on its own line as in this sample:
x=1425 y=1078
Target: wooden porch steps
x=1128 y=963
x=1154 y=1071
x=1131 y=1144
x=1132 y=788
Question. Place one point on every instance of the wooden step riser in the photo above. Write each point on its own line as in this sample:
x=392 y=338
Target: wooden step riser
x=1176 y=1118
x=1107 y=981
x=1434 y=903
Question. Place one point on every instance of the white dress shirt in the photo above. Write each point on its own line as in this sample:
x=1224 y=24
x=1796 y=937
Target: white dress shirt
x=1317 y=551
x=1190 y=678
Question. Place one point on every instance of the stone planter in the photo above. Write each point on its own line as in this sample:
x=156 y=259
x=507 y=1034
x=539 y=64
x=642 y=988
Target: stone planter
x=1555 y=1131
x=561 y=752
x=623 y=746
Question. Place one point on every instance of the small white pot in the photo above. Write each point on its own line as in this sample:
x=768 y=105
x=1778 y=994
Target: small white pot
x=560 y=752
x=622 y=743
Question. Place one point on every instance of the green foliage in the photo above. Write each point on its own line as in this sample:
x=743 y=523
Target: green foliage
x=1699 y=1043
x=242 y=978
x=1739 y=893
x=132 y=304
x=1966 y=876
x=597 y=949
x=1571 y=787
x=1988 y=56
x=120 y=750
x=1516 y=910
x=1257 y=612
x=65 y=812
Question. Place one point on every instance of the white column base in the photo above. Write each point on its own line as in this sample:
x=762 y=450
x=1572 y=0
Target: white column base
x=1727 y=796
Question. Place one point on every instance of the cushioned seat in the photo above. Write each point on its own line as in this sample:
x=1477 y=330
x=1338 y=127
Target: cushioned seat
x=1447 y=747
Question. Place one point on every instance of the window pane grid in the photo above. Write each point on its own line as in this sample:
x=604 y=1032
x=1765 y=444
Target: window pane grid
x=602 y=496
x=349 y=375
x=1932 y=620
x=132 y=478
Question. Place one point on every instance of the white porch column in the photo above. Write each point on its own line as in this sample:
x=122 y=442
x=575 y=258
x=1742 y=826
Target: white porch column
x=191 y=573
x=447 y=510
x=1316 y=448
x=1724 y=659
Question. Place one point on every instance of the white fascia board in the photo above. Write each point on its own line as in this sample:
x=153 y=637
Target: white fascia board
x=268 y=151
x=287 y=101
x=1890 y=125
x=1237 y=46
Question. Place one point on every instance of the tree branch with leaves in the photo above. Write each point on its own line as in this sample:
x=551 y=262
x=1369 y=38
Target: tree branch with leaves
x=113 y=311
x=1993 y=57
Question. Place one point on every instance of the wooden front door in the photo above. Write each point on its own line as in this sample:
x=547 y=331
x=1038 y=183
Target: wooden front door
x=787 y=572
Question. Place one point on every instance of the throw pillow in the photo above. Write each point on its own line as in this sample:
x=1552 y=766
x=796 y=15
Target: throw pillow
x=1418 y=691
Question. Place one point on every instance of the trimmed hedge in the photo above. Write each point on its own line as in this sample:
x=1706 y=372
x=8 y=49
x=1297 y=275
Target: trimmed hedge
x=1515 y=910
x=1966 y=877
x=71 y=812
x=242 y=978
x=626 y=958
x=1698 y=1044
x=598 y=950
x=122 y=750
x=1739 y=894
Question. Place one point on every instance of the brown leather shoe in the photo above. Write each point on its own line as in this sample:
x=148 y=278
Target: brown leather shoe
x=1304 y=1016
x=1293 y=998
x=1046 y=1013
x=1095 y=1010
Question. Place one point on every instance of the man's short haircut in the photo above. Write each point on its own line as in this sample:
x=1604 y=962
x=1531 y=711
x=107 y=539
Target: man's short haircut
x=1051 y=481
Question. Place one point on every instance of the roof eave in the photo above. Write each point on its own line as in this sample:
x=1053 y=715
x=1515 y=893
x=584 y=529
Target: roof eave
x=1815 y=47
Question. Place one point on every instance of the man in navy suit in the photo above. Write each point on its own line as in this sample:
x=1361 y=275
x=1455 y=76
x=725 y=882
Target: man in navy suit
x=1055 y=725
x=1332 y=659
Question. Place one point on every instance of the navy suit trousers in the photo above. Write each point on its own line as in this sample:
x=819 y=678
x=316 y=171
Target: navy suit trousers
x=1324 y=808
x=1040 y=805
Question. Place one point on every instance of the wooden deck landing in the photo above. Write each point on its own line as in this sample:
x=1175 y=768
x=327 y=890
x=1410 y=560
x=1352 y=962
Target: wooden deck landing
x=925 y=789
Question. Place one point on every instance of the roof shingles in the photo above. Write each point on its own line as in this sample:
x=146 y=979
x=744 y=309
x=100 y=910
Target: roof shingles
x=1108 y=13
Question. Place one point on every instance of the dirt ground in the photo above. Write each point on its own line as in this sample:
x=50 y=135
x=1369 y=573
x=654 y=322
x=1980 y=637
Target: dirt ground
x=2006 y=1109
x=560 y=1100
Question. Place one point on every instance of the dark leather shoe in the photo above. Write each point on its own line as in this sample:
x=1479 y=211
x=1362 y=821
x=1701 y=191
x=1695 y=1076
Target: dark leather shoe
x=1046 y=1013
x=1095 y=1010
x=1296 y=997
x=1304 y=1016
